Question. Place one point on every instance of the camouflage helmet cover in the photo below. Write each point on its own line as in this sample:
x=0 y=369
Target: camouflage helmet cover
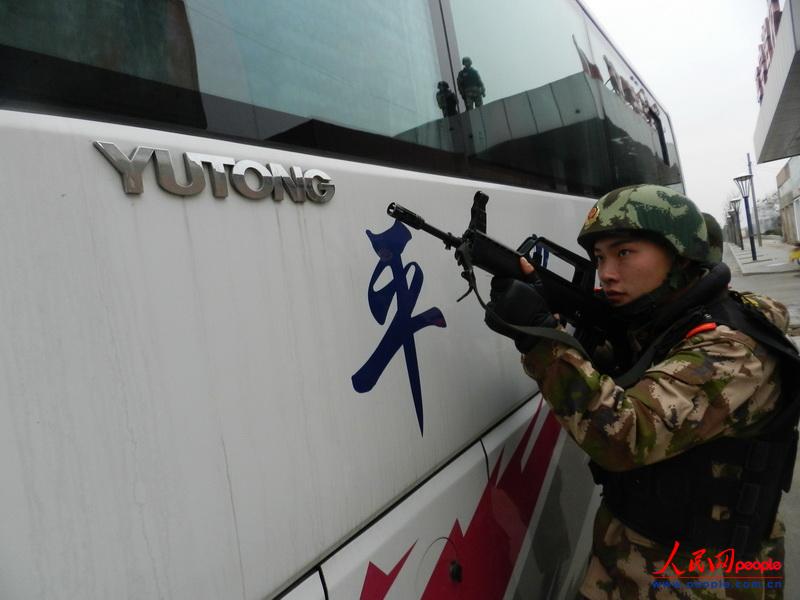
x=649 y=209
x=714 y=238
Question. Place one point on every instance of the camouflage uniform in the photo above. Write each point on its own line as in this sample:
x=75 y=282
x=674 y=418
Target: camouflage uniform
x=711 y=384
x=714 y=383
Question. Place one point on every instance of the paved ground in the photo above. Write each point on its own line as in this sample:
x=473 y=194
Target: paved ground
x=771 y=257
x=773 y=275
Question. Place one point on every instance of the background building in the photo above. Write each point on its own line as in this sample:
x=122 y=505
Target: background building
x=769 y=213
x=769 y=31
x=777 y=133
x=789 y=199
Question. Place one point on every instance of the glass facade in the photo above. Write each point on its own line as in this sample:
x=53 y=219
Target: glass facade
x=530 y=94
x=789 y=199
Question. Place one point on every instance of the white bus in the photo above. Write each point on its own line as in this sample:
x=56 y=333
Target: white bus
x=226 y=372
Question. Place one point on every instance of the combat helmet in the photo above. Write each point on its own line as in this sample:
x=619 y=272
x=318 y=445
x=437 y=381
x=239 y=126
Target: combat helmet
x=649 y=211
x=714 y=238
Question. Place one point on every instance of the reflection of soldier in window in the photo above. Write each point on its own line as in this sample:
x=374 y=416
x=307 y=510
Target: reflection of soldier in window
x=470 y=85
x=446 y=100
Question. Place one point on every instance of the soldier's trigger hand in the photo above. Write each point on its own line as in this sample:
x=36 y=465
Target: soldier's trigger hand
x=526 y=267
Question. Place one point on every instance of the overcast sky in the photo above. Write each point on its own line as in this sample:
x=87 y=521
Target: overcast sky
x=698 y=57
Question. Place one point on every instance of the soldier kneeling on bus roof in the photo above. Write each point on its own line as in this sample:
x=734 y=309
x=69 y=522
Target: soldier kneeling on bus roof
x=692 y=427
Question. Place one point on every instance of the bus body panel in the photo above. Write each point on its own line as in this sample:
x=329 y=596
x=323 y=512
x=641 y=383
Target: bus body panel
x=178 y=376
x=308 y=589
x=397 y=555
x=511 y=521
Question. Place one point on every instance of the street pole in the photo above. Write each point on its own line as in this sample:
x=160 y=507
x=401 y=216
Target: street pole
x=734 y=206
x=739 y=238
x=750 y=228
x=755 y=199
x=745 y=183
x=733 y=237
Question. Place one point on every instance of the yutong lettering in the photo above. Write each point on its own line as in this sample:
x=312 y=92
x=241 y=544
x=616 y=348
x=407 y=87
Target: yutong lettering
x=251 y=179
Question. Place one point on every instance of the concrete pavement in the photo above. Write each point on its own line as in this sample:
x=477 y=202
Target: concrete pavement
x=774 y=276
x=771 y=257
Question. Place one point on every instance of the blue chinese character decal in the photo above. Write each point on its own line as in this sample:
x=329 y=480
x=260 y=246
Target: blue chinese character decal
x=389 y=247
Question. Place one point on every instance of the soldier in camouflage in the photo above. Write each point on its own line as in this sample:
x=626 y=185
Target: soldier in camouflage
x=470 y=85
x=669 y=446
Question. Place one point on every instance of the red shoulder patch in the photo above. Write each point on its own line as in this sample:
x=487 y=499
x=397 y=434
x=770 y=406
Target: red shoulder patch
x=701 y=329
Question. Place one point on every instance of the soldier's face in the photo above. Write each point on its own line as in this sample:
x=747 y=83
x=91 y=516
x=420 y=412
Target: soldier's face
x=629 y=269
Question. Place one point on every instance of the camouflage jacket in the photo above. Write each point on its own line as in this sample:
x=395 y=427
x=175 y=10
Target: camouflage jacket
x=715 y=383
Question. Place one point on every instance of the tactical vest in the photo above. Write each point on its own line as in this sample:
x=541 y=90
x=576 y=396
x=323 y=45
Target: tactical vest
x=672 y=500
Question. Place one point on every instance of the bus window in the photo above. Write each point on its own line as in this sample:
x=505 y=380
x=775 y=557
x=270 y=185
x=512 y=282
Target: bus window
x=347 y=63
x=525 y=96
x=641 y=141
x=150 y=40
x=301 y=73
x=540 y=112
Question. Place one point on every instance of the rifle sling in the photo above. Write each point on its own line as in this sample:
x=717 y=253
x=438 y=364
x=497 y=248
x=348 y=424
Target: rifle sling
x=550 y=333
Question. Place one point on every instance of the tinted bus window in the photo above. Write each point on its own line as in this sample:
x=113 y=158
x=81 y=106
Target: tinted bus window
x=151 y=40
x=641 y=142
x=540 y=111
x=370 y=66
x=377 y=81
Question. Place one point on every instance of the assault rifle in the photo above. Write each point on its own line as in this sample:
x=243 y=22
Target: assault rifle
x=572 y=299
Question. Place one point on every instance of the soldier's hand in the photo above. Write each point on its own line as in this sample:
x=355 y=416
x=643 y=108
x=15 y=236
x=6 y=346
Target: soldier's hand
x=516 y=303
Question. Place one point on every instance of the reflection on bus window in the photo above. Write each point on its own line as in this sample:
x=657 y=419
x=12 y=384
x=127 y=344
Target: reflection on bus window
x=540 y=99
x=642 y=147
x=349 y=63
x=541 y=115
x=470 y=85
x=446 y=100
x=565 y=108
x=147 y=39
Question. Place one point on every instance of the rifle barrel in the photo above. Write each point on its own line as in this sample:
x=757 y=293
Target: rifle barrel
x=412 y=219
